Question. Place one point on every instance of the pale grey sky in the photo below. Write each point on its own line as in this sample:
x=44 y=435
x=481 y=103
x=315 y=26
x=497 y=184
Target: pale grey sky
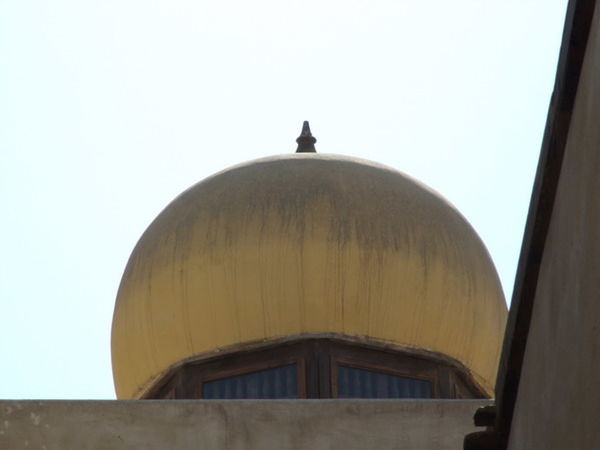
x=110 y=109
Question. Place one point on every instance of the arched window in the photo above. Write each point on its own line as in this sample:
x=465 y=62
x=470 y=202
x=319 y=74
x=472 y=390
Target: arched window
x=319 y=368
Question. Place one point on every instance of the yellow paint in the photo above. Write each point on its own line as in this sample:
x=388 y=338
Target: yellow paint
x=306 y=243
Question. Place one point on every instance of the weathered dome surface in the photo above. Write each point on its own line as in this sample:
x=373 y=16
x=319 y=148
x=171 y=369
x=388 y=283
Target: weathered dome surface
x=300 y=244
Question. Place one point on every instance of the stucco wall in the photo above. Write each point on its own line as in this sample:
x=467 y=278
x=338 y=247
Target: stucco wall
x=558 y=403
x=236 y=424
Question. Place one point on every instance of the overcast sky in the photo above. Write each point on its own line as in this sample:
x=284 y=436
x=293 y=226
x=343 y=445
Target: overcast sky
x=109 y=109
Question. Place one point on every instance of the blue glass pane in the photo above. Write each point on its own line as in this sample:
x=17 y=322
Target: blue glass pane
x=359 y=383
x=281 y=382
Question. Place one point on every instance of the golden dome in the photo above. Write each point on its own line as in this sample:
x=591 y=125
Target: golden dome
x=305 y=244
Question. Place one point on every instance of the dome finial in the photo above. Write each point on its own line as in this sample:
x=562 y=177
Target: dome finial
x=306 y=141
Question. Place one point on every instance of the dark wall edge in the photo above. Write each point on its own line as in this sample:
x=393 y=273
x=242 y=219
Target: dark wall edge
x=578 y=22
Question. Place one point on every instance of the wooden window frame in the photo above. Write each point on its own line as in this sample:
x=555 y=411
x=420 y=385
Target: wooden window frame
x=352 y=363
x=258 y=367
x=375 y=360
x=317 y=361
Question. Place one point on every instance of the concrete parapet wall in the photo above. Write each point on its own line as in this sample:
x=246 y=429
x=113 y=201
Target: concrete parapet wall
x=236 y=424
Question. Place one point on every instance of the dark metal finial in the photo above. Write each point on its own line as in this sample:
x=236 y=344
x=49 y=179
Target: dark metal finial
x=306 y=141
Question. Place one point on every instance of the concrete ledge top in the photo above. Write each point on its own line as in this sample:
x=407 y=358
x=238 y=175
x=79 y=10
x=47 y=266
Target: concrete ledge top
x=236 y=424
